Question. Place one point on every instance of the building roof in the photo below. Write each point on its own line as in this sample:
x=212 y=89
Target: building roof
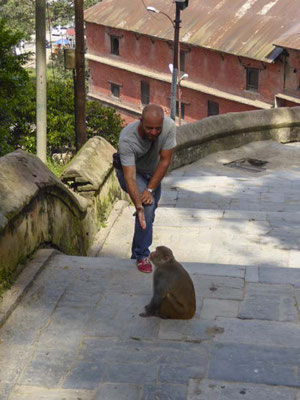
x=247 y=28
x=290 y=39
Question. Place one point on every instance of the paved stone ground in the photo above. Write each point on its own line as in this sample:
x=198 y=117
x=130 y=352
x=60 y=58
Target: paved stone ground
x=76 y=333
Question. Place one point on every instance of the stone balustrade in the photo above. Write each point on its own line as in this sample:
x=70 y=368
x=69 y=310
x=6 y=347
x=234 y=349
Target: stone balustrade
x=37 y=209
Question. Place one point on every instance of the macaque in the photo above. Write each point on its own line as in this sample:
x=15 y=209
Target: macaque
x=173 y=289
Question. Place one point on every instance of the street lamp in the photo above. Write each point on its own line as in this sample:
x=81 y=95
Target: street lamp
x=180 y=5
x=180 y=78
x=156 y=11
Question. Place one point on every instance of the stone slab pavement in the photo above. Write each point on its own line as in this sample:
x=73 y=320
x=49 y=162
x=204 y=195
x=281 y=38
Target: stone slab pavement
x=70 y=327
x=213 y=213
x=76 y=334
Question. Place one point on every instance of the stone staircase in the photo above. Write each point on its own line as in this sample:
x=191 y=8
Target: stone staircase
x=76 y=331
x=215 y=214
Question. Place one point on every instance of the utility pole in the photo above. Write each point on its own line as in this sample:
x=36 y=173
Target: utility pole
x=41 y=80
x=175 y=62
x=80 y=124
x=180 y=5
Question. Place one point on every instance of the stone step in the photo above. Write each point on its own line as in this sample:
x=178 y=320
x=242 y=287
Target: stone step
x=215 y=236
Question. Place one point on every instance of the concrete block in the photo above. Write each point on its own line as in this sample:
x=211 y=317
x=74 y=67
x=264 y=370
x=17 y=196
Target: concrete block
x=192 y=330
x=181 y=374
x=280 y=276
x=133 y=373
x=113 y=391
x=217 y=270
x=43 y=393
x=208 y=389
x=164 y=391
x=269 y=302
x=297 y=295
x=218 y=287
x=48 y=368
x=213 y=308
x=119 y=315
x=114 y=351
x=5 y=389
x=251 y=274
x=85 y=375
x=271 y=365
x=13 y=358
x=294 y=260
x=281 y=334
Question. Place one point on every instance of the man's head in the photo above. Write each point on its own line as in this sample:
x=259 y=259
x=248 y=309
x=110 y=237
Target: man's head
x=151 y=123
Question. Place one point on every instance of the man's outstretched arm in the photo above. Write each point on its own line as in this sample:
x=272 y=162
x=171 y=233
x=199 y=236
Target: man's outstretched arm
x=159 y=173
x=133 y=191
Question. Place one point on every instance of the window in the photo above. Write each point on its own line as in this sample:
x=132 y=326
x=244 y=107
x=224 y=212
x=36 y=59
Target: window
x=114 y=45
x=212 y=108
x=182 y=61
x=182 y=110
x=252 y=79
x=145 y=92
x=115 y=90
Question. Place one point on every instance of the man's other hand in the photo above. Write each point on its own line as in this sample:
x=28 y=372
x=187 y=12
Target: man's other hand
x=141 y=217
x=146 y=197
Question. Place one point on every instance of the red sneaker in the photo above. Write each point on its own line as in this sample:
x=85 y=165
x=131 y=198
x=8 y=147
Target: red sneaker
x=144 y=265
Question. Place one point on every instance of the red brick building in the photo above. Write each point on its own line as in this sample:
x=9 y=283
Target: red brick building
x=239 y=55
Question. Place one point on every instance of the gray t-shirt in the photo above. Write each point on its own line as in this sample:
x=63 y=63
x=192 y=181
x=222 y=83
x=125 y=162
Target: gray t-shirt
x=144 y=153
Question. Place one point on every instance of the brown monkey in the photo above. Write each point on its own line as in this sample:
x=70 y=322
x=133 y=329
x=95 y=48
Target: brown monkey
x=173 y=289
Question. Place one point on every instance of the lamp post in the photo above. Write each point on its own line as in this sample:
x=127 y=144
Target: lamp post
x=180 y=5
x=179 y=95
x=175 y=62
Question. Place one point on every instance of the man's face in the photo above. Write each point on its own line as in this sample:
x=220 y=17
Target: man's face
x=151 y=127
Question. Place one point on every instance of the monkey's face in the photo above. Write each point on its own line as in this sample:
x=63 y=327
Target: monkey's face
x=158 y=256
x=152 y=256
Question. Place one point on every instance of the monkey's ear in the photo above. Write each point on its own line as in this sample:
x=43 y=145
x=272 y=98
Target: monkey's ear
x=166 y=258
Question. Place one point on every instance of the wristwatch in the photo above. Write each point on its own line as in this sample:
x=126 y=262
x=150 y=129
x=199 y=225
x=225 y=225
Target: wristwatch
x=149 y=190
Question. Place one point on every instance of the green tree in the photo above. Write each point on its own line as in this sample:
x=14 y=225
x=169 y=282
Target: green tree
x=103 y=121
x=61 y=12
x=14 y=88
x=60 y=115
x=19 y=15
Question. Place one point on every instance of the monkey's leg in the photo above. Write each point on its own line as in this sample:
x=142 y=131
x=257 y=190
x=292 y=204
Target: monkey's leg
x=170 y=308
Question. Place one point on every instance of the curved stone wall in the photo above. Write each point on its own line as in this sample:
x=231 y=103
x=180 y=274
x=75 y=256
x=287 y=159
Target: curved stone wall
x=38 y=209
x=227 y=131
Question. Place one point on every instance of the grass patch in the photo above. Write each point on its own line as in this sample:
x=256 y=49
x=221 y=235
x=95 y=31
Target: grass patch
x=55 y=167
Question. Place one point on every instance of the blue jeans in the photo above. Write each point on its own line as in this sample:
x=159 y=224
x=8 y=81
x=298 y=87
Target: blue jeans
x=142 y=238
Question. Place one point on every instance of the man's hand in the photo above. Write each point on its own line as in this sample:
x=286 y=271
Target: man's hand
x=141 y=217
x=146 y=197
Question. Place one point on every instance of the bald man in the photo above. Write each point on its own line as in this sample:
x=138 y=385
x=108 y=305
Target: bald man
x=145 y=148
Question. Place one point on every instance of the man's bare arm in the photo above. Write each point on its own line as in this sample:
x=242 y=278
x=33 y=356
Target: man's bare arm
x=133 y=191
x=159 y=173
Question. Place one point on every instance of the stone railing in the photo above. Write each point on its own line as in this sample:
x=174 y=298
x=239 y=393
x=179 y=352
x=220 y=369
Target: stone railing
x=228 y=131
x=37 y=209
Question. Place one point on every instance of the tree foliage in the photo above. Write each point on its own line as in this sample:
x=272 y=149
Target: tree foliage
x=61 y=12
x=14 y=89
x=100 y=120
x=20 y=14
x=18 y=100
x=103 y=121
